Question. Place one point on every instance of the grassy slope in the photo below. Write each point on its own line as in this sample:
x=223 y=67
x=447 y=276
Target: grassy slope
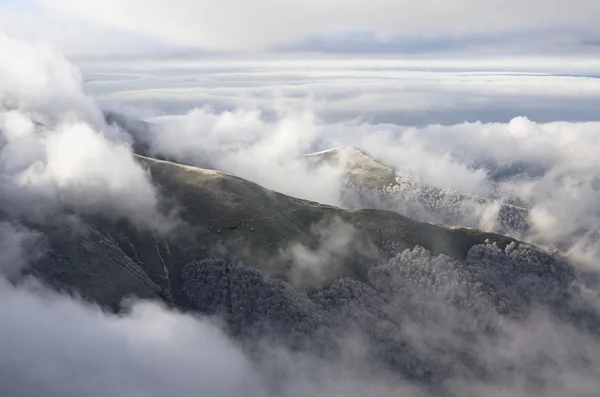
x=229 y=217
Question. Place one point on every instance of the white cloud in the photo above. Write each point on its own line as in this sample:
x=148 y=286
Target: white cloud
x=38 y=80
x=404 y=92
x=314 y=267
x=244 y=144
x=58 y=346
x=55 y=148
x=260 y=24
x=74 y=37
x=18 y=245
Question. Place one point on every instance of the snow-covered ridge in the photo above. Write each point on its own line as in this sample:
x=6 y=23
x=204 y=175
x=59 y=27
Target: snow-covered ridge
x=372 y=184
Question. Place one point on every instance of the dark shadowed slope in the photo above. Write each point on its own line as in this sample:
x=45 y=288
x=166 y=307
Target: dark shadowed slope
x=229 y=217
x=427 y=303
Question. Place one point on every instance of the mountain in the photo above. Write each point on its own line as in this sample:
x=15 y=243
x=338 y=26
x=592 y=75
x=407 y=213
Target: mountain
x=369 y=183
x=305 y=276
x=139 y=130
x=361 y=170
x=424 y=302
x=372 y=184
x=227 y=217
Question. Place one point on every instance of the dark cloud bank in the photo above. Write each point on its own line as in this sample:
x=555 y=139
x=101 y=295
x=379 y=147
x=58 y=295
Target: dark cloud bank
x=511 y=321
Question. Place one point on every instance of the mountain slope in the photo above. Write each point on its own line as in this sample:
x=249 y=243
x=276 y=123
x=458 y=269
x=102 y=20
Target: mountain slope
x=429 y=303
x=368 y=183
x=237 y=220
x=372 y=184
x=360 y=169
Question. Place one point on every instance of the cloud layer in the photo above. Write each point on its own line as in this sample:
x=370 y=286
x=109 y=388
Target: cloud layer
x=405 y=92
x=263 y=24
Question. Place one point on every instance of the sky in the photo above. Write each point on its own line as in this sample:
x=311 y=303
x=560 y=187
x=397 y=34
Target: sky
x=162 y=28
x=403 y=62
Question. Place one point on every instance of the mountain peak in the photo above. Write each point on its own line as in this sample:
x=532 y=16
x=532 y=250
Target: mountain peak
x=339 y=150
x=360 y=168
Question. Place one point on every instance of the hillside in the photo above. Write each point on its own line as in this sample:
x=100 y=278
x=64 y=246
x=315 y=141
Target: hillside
x=234 y=219
x=360 y=169
x=372 y=184
x=369 y=183
x=304 y=276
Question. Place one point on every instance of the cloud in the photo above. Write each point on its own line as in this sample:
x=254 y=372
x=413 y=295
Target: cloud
x=336 y=242
x=18 y=245
x=263 y=24
x=150 y=351
x=39 y=81
x=406 y=92
x=100 y=30
x=244 y=144
x=555 y=41
x=551 y=168
x=413 y=317
x=76 y=38
x=421 y=325
x=55 y=148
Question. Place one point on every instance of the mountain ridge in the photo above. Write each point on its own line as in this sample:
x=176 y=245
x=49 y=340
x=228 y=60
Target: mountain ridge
x=229 y=217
